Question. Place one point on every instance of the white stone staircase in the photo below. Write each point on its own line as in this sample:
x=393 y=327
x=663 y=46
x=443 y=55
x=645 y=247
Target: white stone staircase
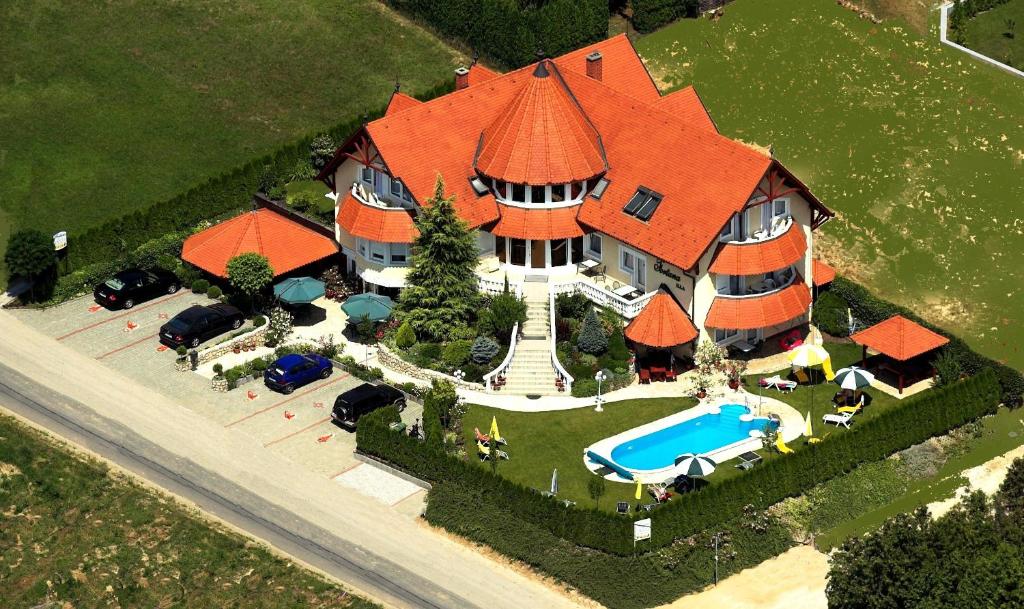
x=530 y=372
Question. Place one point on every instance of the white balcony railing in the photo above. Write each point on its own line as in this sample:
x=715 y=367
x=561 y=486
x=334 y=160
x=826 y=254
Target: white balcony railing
x=628 y=308
x=764 y=289
x=502 y=368
x=560 y=372
x=492 y=286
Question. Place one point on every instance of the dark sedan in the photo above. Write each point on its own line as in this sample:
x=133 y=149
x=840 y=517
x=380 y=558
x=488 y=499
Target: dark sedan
x=198 y=323
x=128 y=288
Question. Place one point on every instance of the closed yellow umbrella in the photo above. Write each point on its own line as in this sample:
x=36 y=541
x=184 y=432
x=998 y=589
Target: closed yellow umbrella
x=808 y=432
x=494 y=429
x=639 y=490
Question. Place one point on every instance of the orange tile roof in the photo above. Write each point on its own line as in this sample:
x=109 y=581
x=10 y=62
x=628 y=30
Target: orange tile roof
x=760 y=256
x=479 y=74
x=400 y=101
x=542 y=136
x=750 y=312
x=522 y=223
x=286 y=244
x=686 y=104
x=822 y=273
x=621 y=67
x=375 y=223
x=661 y=323
x=899 y=338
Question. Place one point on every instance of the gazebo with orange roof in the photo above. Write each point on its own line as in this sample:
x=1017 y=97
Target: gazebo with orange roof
x=286 y=244
x=662 y=324
x=900 y=340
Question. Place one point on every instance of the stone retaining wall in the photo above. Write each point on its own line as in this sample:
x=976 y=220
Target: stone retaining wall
x=389 y=360
x=212 y=353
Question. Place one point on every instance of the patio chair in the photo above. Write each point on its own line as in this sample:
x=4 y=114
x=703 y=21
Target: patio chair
x=801 y=376
x=645 y=376
x=839 y=419
x=485 y=453
x=670 y=375
x=622 y=507
x=648 y=507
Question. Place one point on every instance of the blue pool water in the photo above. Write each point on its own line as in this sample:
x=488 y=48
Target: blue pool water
x=702 y=434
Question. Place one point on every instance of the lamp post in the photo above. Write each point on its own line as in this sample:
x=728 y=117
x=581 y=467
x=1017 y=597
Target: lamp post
x=459 y=375
x=600 y=376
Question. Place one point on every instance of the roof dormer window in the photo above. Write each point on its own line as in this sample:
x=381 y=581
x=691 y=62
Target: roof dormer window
x=642 y=204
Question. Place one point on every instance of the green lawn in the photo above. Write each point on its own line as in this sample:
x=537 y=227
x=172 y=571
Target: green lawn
x=988 y=33
x=72 y=534
x=108 y=107
x=919 y=148
x=539 y=442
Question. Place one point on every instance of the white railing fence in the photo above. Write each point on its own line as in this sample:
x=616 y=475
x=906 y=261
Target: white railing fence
x=560 y=372
x=517 y=289
x=495 y=286
x=602 y=297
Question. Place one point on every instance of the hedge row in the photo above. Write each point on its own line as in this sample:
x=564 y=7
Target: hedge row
x=914 y=421
x=116 y=240
x=509 y=32
x=870 y=310
x=649 y=15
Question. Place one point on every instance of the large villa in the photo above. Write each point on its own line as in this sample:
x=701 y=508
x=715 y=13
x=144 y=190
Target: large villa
x=581 y=175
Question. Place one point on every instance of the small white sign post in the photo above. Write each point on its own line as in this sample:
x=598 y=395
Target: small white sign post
x=60 y=240
x=641 y=530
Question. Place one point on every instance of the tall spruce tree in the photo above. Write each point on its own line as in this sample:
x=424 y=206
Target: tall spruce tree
x=441 y=295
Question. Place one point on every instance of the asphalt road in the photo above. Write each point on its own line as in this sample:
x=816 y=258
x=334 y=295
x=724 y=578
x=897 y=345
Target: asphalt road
x=360 y=568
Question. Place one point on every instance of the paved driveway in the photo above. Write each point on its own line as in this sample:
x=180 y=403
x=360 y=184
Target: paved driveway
x=297 y=426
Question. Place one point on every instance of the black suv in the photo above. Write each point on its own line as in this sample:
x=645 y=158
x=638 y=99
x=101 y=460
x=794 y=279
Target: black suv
x=364 y=399
x=198 y=323
x=130 y=287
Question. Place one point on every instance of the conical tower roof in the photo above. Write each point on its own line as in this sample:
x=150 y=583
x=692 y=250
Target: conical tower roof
x=542 y=136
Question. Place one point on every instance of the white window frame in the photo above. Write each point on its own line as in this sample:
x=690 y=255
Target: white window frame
x=401 y=250
x=366 y=174
x=728 y=336
x=785 y=211
x=379 y=252
x=361 y=246
x=623 y=252
x=391 y=189
x=590 y=252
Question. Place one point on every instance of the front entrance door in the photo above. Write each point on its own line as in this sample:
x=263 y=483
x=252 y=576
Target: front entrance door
x=537 y=254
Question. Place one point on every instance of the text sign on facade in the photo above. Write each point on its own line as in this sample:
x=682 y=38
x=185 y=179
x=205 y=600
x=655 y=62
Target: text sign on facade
x=641 y=530
x=60 y=240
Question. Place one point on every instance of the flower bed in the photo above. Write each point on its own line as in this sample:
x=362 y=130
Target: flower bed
x=585 y=348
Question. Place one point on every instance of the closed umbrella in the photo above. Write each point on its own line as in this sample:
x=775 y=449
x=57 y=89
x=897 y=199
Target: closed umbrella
x=808 y=432
x=554 y=482
x=639 y=490
x=853 y=378
x=694 y=466
x=368 y=306
x=494 y=429
x=299 y=290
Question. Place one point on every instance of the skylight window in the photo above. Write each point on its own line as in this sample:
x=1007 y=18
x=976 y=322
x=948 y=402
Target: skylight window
x=642 y=204
x=599 y=188
x=478 y=186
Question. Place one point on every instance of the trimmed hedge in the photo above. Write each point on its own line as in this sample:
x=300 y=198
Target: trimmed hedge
x=914 y=421
x=649 y=15
x=871 y=310
x=510 y=34
x=115 y=242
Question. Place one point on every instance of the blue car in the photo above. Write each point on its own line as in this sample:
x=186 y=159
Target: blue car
x=293 y=371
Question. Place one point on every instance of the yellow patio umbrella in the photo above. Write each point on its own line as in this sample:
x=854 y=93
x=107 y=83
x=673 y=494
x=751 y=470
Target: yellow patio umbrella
x=494 y=429
x=807 y=355
x=639 y=490
x=808 y=432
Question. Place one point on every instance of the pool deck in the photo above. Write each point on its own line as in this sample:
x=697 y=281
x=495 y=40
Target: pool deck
x=791 y=428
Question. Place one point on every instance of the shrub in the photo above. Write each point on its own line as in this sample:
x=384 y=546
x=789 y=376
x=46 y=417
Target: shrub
x=456 y=353
x=573 y=305
x=279 y=326
x=30 y=254
x=250 y=273
x=303 y=200
x=592 y=338
x=259 y=365
x=258 y=321
x=181 y=351
x=426 y=354
x=947 y=368
x=232 y=377
x=830 y=314
x=200 y=286
x=483 y=350
x=326 y=347
x=321 y=151
x=504 y=312
x=218 y=369
x=649 y=15
x=405 y=337
x=214 y=292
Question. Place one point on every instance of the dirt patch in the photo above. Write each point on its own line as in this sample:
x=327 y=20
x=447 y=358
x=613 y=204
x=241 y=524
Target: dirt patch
x=8 y=470
x=986 y=478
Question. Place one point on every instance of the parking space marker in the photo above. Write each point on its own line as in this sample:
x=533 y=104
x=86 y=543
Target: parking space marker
x=412 y=494
x=124 y=314
x=294 y=396
x=295 y=433
x=346 y=470
x=325 y=438
x=128 y=346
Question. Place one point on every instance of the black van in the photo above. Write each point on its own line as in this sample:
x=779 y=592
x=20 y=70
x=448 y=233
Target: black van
x=366 y=398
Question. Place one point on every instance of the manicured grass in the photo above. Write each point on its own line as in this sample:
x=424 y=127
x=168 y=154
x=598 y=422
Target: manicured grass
x=542 y=441
x=987 y=33
x=75 y=535
x=918 y=147
x=998 y=434
x=108 y=107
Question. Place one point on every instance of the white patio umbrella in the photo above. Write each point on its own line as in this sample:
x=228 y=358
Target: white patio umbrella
x=694 y=466
x=853 y=378
x=554 y=482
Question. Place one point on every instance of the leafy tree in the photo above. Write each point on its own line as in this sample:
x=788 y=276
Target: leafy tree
x=441 y=297
x=1009 y=500
x=321 y=151
x=504 y=313
x=592 y=338
x=443 y=399
x=596 y=488
x=947 y=368
x=250 y=273
x=405 y=337
x=483 y=350
x=30 y=255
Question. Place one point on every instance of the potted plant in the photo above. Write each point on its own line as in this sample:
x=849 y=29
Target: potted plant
x=236 y=347
x=701 y=381
x=181 y=363
x=734 y=369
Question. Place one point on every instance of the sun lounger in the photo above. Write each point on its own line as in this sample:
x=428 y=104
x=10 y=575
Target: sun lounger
x=839 y=419
x=748 y=460
x=780 y=445
x=622 y=507
x=848 y=409
x=485 y=439
x=485 y=452
x=660 y=493
x=777 y=382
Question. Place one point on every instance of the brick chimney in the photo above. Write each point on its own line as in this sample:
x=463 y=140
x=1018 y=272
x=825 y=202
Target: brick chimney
x=461 y=78
x=594 y=63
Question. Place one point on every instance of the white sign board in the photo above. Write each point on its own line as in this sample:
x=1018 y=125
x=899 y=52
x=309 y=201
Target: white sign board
x=641 y=530
x=60 y=240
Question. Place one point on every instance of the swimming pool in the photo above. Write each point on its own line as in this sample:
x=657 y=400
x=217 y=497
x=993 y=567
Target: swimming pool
x=706 y=432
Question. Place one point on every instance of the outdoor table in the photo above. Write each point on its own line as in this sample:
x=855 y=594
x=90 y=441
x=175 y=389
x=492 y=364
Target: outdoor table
x=588 y=265
x=657 y=373
x=624 y=291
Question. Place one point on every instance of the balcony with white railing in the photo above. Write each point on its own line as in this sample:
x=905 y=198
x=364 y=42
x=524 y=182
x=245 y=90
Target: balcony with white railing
x=602 y=292
x=562 y=376
x=494 y=376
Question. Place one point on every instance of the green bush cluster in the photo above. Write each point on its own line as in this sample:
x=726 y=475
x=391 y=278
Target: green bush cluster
x=200 y=286
x=405 y=337
x=830 y=314
x=456 y=353
x=914 y=421
x=214 y=292
x=509 y=32
x=870 y=310
x=484 y=349
x=649 y=15
x=360 y=371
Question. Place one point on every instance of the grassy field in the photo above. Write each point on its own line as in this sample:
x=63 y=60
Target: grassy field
x=918 y=148
x=73 y=534
x=988 y=33
x=539 y=442
x=108 y=107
